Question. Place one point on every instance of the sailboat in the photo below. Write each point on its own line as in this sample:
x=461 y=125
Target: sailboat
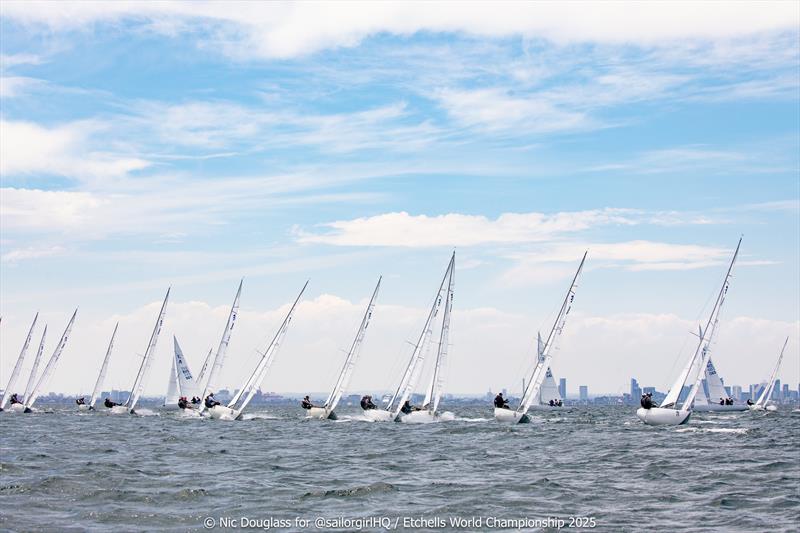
x=50 y=367
x=668 y=413
x=433 y=394
x=549 y=397
x=532 y=392
x=233 y=410
x=762 y=404
x=327 y=410
x=144 y=368
x=12 y=381
x=101 y=377
x=181 y=383
x=716 y=392
x=34 y=370
x=207 y=380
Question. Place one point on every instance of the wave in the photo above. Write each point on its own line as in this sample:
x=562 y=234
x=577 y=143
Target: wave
x=363 y=490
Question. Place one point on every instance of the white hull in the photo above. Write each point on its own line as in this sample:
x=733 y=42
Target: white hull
x=545 y=407
x=83 y=407
x=378 y=415
x=657 y=416
x=771 y=408
x=716 y=408
x=189 y=413
x=418 y=417
x=220 y=412
x=510 y=416
x=118 y=410
x=320 y=413
x=16 y=408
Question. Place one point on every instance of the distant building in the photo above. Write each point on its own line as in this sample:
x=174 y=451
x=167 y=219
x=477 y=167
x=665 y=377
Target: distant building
x=562 y=388
x=736 y=393
x=776 y=392
x=584 y=393
x=636 y=390
x=787 y=395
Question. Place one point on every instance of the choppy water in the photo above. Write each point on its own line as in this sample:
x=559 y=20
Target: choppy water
x=91 y=471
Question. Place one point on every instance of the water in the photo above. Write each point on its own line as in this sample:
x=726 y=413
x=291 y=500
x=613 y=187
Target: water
x=91 y=471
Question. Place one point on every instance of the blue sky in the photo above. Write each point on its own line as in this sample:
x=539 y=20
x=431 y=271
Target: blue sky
x=153 y=144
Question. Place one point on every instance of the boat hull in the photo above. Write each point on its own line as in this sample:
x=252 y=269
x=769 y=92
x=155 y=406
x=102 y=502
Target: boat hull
x=118 y=410
x=716 y=408
x=83 y=407
x=16 y=408
x=378 y=415
x=418 y=417
x=510 y=416
x=320 y=413
x=220 y=412
x=542 y=407
x=657 y=416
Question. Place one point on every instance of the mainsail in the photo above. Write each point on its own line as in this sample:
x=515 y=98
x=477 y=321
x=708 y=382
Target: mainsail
x=172 y=397
x=101 y=378
x=766 y=394
x=716 y=389
x=35 y=368
x=147 y=360
x=210 y=383
x=187 y=386
x=352 y=355
x=534 y=382
x=436 y=388
x=12 y=382
x=51 y=364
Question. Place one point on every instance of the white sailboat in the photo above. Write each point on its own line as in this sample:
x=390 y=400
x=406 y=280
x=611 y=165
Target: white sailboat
x=233 y=410
x=144 y=369
x=763 y=402
x=182 y=383
x=532 y=392
x=668 y=413
x=548 y=392
x=172 y=397
x=394 y=408
x=207 y=383
x=327 y=410
x=12 y=381
x=101 y=377
x=716 y=394
x=50 y=367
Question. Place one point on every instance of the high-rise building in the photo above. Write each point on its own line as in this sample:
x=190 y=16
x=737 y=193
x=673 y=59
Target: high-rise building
x=736 y=393
x=584 y=393
x=636 y=390
x=786 y=394
x=776 y=392
x=562 y=388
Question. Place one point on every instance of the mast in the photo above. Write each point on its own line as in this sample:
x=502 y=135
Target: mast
x=211 y=383
x=766 y=394
x=103 y=370
x=352 y=355
x=703 y=348
x=254 y=381
x=35 y=368
x=51 y=364
x=18 y=366
x=543 y=360
x=141 y=377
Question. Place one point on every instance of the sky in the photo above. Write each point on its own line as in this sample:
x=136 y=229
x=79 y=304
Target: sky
x=147 y=145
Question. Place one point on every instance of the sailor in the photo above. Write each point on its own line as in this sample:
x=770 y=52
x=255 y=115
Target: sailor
x=182 y=402
x=195 y=400
x=559 y=403
x=80 y=401
x=366 y=403
x=721 y=401
x=306 y=403
x=210 y=401
x=728 y=401
x=749 y=401
x=551 y=403
x=108 y=403
x=647 y=400
x=500 y=402
x=15 y=399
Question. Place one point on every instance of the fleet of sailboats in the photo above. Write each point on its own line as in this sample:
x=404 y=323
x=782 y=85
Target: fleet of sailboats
x=706 y=390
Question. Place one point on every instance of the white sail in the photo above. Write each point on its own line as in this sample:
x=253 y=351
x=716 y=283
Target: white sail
x=413 y=370
x=766 y=394
x=352 y=354
x=203 y=370
x=549 y=389
x=147 y=360
x=248 y=391
x=210 y=384
x=12 y=382
x=187 y=386
x=704 y=347
x=531 y=392
x=173 y=395
x=716 y=389
x=35 y=367
x=439 y=371
x=51 y=364
x=101 y=378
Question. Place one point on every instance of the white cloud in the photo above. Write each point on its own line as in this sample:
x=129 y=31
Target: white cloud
x=289 y=30
x=22 y=254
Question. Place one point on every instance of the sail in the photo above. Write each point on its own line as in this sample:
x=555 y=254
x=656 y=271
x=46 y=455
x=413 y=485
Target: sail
x=254 y=381
x=549 y=389
x=173 y=395
x=51 y=364
x=704 y=347
x=35 y=368
x=766 y=394
x=147 y=360
x=203 y=370
x=716 y=390
x=413 y=370
x=437 y=382
x=352 y=355
x=531 y=392
x=210 y=383
x=187 y=386
x=12 y=382
x=101 y=378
